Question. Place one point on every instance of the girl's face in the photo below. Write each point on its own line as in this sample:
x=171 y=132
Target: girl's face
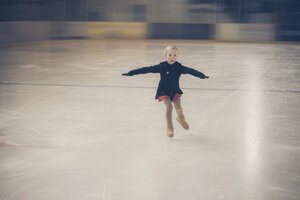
x=171 y=56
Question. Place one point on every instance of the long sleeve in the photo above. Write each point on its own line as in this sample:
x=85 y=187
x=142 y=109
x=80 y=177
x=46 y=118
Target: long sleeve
x=144 y=70
x=187 y=70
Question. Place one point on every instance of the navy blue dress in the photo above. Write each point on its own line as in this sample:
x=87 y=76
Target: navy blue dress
x=169 y=77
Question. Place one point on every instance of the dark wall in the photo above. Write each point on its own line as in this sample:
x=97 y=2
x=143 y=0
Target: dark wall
x=198 y=18
x=43 y=10
x=199 y=11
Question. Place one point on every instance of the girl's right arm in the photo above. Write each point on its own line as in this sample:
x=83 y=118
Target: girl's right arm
x=144 y=70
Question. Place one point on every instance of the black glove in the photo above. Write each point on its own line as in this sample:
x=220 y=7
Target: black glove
x=126 y=74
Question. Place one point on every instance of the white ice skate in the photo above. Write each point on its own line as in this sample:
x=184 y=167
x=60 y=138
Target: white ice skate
x=170 y=133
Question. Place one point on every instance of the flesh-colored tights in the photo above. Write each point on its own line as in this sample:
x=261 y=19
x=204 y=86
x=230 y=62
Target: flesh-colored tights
x=180 y=118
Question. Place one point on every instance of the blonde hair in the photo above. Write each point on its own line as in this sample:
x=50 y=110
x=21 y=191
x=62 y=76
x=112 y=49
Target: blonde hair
x=170 y=48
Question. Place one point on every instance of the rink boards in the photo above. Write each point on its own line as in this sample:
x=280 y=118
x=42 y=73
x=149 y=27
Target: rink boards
x=14 y=32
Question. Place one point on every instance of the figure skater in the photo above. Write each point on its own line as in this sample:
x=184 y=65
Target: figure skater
x=168 y=89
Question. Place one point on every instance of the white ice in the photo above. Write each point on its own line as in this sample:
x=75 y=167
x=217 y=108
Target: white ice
x=71 y=127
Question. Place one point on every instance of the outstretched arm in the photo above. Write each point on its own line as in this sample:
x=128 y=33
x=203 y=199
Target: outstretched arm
x=143 y=70
x=187 y=70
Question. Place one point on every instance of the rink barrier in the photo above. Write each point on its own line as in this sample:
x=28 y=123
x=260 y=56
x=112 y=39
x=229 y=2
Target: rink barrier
x=181 y=31
x=245 y=32
x=116 y=30
x=15 y=32
x=26 y=31
x=67 y=30
x=287 y=32
x=98 y=30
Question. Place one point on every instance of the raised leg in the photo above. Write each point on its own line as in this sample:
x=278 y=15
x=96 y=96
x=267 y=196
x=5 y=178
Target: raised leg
x=169 y=109
x=180 y=118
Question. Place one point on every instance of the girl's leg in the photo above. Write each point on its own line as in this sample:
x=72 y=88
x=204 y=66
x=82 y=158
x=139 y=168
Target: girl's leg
x=180 y=118
x=169 y=108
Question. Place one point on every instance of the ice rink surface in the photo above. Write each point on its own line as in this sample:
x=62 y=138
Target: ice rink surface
x=71 y=127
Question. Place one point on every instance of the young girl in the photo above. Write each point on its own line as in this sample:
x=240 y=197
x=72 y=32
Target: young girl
x=168 y=89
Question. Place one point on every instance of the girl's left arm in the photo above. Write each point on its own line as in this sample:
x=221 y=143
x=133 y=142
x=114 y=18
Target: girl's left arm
x=187 y=70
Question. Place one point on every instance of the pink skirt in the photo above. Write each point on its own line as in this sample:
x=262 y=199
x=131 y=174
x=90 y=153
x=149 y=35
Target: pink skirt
x=166 y=96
